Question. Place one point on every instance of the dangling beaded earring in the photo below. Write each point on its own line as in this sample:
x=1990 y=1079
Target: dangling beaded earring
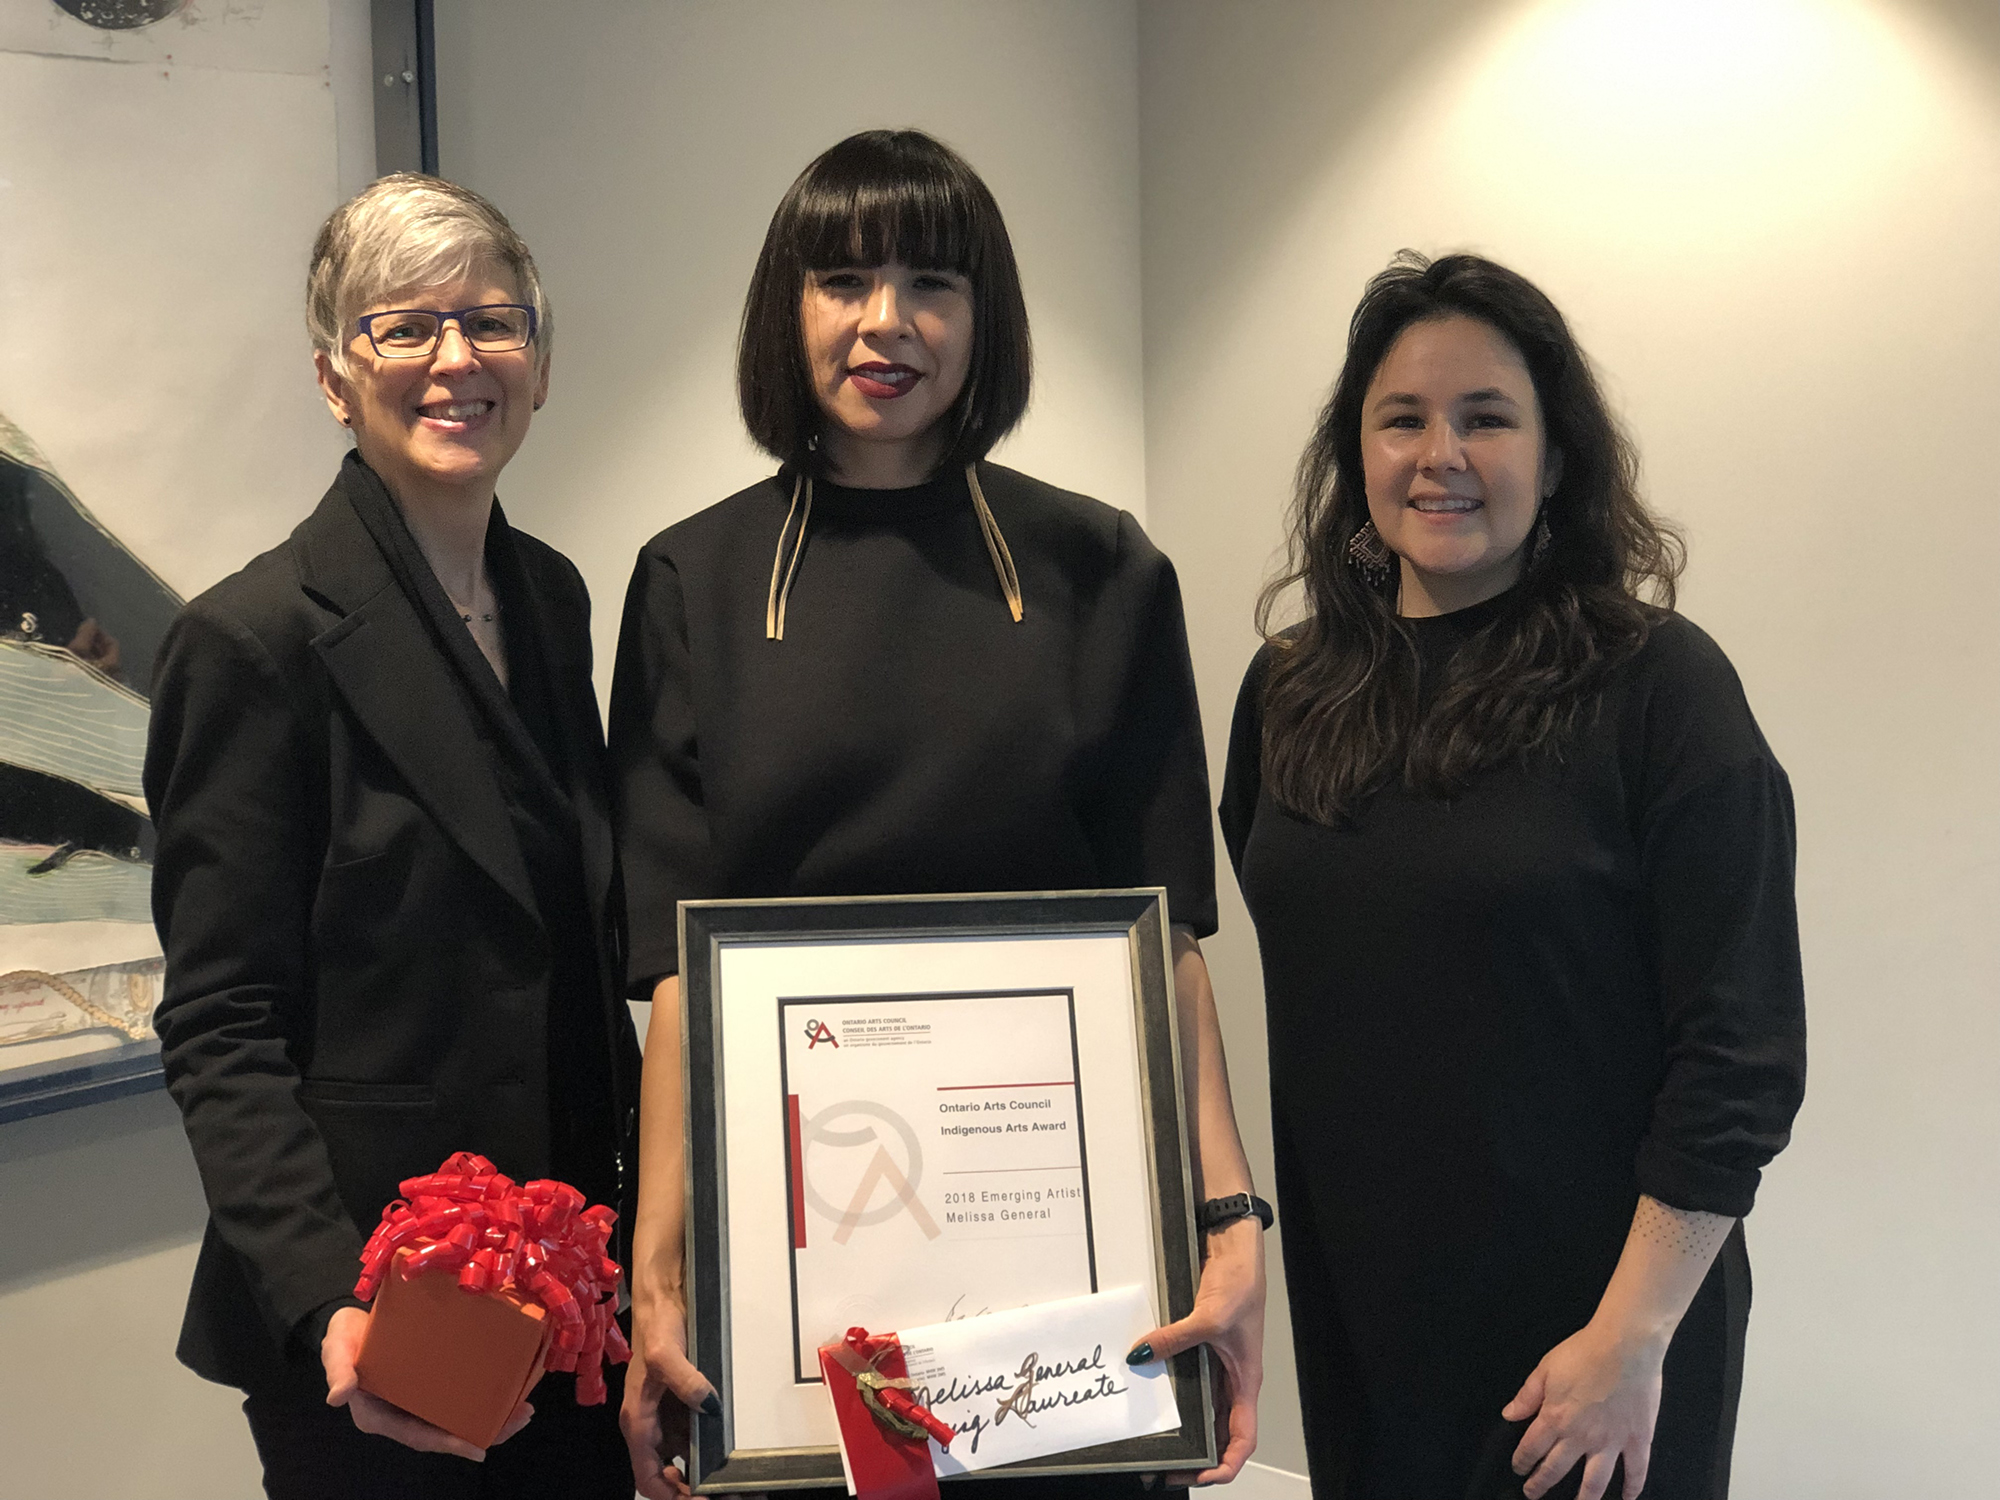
x=1370 y=555
x=1538 y=549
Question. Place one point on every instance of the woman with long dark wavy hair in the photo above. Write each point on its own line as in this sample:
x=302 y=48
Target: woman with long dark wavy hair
x=1521 y=867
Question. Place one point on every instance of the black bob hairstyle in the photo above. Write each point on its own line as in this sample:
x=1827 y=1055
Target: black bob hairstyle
x=881 y=196
x=1341 y=699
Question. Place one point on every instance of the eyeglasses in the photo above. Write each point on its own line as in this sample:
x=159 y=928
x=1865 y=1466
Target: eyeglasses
x=413 y=332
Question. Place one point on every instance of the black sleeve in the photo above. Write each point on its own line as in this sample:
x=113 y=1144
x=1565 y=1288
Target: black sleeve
x=1718 y=847
x=312 y=1332
x=1243 y=775
x=579 y=602
x=656 y=788
x=241 y=839
x=1151 y=823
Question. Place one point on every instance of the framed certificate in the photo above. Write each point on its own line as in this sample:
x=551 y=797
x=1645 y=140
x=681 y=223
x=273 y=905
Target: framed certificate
x=907 y=1110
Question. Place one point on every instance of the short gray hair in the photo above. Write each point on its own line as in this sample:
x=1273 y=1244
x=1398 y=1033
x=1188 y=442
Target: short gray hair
x=404 y=233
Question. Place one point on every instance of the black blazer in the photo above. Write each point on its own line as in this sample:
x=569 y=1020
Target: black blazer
x=358 y=979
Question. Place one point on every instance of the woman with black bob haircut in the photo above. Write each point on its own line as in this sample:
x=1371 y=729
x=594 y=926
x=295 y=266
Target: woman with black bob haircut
x=879 y=198
x=1521 y=867
x=895 y=667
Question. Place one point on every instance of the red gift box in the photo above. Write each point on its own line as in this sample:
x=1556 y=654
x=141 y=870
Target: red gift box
x=460 y=1360
x=479 y=1285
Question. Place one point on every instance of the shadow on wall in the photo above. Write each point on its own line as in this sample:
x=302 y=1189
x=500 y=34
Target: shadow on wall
x=1970 y=29
x=87 y=1187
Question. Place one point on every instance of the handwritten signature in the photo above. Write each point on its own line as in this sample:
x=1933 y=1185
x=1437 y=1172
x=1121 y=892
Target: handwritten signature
x=1021 y=1400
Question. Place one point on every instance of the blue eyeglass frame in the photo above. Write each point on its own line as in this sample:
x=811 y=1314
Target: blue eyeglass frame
x=366 y=323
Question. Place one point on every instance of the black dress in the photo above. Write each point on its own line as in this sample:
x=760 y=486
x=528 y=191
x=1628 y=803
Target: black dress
x=1496 y=1020
x=907 y=735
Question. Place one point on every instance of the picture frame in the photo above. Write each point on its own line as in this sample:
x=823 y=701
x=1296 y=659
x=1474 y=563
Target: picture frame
x=103 y=531
x=1099 y=960
x=130 y=1067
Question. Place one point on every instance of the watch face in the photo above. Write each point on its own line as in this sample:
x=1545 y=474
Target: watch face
x=120 y=15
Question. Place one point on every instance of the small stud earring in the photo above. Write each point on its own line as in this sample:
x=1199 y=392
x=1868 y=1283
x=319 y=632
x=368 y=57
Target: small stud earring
x=1370 y=555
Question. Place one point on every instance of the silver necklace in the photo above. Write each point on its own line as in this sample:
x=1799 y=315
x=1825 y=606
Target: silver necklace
x=468 y=616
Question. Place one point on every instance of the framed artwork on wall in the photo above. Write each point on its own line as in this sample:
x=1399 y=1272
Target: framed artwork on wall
x=158 y=427
x=80 y=967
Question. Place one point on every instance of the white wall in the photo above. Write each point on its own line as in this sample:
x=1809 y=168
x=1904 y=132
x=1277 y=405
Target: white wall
x=1776 y=225
x=640 y=148
x=103 y=1214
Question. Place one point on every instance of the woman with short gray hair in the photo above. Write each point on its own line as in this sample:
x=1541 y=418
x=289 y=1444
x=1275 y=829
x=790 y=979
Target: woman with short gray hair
x=385 y=864
x=409 y=230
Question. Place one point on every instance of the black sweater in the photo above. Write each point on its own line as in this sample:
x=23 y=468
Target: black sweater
x=906 y=735
x=1495 y=1020
x=1612 y=936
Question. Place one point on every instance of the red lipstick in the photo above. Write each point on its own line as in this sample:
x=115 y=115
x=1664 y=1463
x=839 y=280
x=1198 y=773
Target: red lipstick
x=883 y=382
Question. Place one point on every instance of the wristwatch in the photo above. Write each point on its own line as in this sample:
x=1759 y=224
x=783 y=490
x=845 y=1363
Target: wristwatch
x=1219 y=1211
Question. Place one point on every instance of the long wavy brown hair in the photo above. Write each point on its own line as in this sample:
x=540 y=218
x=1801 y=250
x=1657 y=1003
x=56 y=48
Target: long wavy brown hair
x=1342 y=697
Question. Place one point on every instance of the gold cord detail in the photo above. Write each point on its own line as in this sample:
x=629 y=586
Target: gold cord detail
x=996 y=544
x=792 y=546
x=781 y=575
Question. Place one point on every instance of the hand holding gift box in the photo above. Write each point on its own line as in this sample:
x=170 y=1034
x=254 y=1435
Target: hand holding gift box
x=346 y=1331
x=480 y=1285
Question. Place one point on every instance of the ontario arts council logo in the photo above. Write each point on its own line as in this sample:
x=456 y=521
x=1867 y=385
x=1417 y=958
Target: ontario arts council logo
x=817 y=1032
x=867 y=1201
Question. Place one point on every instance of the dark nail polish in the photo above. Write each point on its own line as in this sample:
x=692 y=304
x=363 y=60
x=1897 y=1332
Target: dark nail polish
x=711 y=1405
x=1143 y=1355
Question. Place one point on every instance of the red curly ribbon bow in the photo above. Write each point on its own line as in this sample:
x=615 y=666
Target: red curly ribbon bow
x=536 y=1239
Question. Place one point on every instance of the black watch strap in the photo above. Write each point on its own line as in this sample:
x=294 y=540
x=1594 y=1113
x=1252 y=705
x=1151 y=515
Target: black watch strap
x=1219 y=1211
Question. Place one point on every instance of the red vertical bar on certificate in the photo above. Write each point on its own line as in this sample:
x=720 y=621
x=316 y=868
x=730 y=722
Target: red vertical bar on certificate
x=798 y=1172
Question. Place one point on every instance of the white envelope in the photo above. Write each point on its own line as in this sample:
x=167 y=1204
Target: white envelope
x=1038 y=1380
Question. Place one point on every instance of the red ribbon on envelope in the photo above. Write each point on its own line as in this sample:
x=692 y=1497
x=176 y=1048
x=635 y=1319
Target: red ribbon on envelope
x=884 y=1430
x=536 y=1239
